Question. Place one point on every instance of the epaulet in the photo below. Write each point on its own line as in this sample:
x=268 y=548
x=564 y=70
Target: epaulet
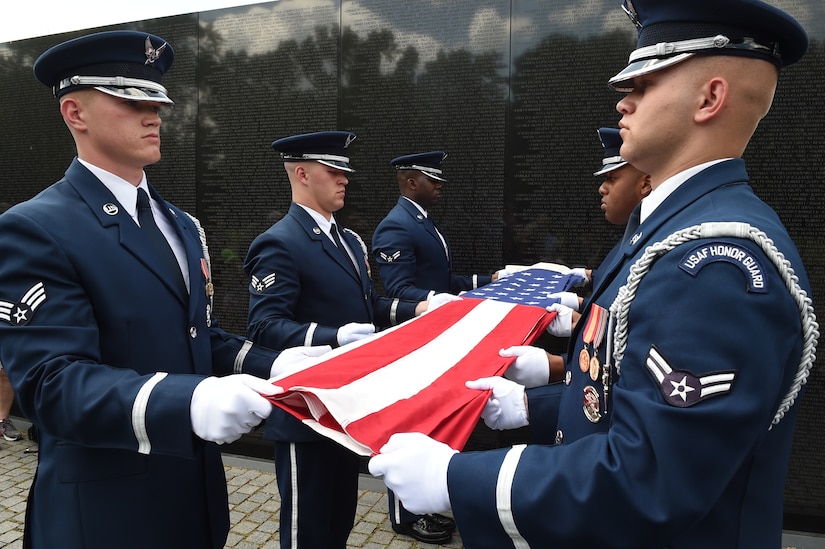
x=360 y=240
x=202 y=236
x=620 y=309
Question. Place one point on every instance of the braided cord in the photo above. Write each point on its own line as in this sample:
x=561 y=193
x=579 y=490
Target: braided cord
x=620 y=309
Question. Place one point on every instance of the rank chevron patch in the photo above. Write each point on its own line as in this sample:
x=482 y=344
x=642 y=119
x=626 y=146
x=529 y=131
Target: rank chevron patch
x=390 y=258
x=22 y=312
x=682 y=388
x=260 y=285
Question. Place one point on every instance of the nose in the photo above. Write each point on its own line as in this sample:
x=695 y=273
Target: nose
x=603 y=188
x=624 y=106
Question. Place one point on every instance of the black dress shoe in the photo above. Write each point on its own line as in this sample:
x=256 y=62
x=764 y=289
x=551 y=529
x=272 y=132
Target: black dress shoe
x=443 y=522
x=425 y=529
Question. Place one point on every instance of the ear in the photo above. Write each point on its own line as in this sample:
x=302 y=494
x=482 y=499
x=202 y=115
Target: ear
x=73 y=113
x=300 y=172
x=715 y=95
x=646 y=186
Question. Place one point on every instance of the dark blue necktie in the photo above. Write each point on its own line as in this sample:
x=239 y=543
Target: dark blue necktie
x=159 y=242
x=333 y=230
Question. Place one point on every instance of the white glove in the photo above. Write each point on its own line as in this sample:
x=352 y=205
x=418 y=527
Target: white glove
x=224 y=408
x=506 y=408
x=353 y=332
x=292 y=358
x=531 y=368
x=414 y=466
x=581 y=274
x=438 y=300
x=568 y=299
x=504 y=273
x=562 y=325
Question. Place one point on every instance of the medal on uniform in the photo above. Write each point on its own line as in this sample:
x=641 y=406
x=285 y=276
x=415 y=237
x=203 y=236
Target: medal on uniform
x=590 y=404
x=592 y=334
x=210 y=289
x=584 y=359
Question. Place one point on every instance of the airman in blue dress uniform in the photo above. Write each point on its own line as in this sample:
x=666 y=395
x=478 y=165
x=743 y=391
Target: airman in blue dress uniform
x=307 y=289
x=414 y=258
x=112 y=351
x=415 y=262
x=685 y=371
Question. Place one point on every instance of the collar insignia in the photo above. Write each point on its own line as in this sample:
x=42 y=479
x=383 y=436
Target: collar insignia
x=681 y=388
x=153 y=54
x=22 y=312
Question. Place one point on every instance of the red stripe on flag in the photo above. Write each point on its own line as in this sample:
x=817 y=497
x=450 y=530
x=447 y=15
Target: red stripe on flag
x=444 y=409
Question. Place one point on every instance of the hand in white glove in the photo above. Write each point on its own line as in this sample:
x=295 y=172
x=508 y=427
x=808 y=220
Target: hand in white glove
x=531 y=368
x=291 y=359
x=501 y=274
x=581 y=274
x=438 y=300
x=506 y=408
x=568 y=299
x=224 y=408
x=414 y=466
x=562 y=325
x=353 y=332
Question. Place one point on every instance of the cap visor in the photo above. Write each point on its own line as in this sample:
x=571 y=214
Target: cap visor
x=435 y=177
x=610 y=168
x=136 y=94
x=343 y=166
x=624 y=80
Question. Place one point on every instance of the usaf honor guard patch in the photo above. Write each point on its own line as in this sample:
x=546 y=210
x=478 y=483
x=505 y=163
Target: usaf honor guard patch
x=736 y=254
x=22 y=312
x=682 y=388
x=261 y=285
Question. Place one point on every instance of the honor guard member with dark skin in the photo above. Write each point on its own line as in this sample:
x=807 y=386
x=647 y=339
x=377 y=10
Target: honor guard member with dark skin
x=622 y=188
x=415 y=262
x=413 y=256
x=113 y=351
x=310 y=285
x=682 y=437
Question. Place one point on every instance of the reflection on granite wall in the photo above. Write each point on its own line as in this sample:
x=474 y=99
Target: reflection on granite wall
x=513 y=90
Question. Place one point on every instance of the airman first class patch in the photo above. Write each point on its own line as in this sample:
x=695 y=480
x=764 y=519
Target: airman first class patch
x=682 y=388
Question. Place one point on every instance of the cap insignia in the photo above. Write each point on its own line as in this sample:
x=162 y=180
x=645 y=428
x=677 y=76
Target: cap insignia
x=153 y=54
x=350 y=139
x=631 y=13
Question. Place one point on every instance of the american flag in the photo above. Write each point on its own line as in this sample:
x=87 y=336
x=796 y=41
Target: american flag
x=528 y=287
x=410 y=378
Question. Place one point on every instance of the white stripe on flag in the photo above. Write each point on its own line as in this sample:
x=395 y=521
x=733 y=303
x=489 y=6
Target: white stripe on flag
x=391 y=383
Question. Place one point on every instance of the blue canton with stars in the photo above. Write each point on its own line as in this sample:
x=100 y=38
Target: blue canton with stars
x=528 y=287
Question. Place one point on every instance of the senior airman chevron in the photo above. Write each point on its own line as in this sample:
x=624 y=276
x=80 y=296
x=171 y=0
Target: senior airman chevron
x=410 y=378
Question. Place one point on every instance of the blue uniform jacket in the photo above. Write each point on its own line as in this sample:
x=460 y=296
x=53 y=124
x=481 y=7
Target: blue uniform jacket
x=662 y=468
x=411 y=258
x=103 y=356
x=302 y=290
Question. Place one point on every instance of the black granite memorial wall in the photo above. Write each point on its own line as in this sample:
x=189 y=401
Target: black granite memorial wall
x=513 y=90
